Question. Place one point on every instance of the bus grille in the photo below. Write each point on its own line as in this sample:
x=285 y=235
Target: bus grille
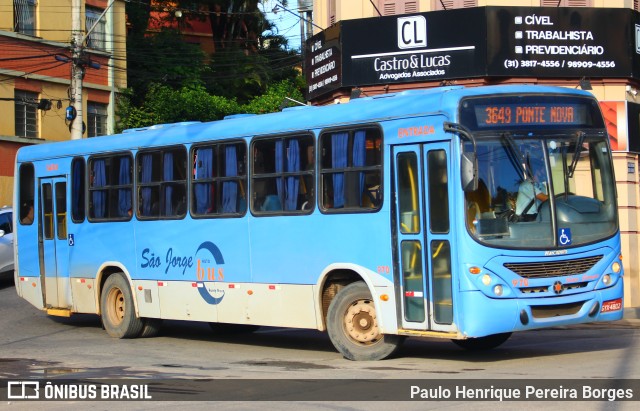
x=555 y=268
x=549 y=311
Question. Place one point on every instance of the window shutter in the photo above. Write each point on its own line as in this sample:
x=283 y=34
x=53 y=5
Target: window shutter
x=454 y=4
x=411 y=7
x=566 y=3
x=392 y=7
x=332 y=12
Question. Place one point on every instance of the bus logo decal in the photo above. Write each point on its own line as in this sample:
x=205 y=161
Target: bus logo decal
x=204 y=272
x=558 y=287
x=206 y=295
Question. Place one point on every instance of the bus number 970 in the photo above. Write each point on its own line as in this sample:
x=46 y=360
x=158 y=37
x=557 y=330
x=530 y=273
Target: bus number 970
x=383 y=269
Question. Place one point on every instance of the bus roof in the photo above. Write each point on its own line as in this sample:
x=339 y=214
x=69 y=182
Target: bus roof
x=378 y=108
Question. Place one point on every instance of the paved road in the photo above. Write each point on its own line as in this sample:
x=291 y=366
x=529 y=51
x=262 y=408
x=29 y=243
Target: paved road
x=34 y=345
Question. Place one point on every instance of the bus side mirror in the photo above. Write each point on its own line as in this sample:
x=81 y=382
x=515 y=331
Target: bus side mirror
x=469 y=172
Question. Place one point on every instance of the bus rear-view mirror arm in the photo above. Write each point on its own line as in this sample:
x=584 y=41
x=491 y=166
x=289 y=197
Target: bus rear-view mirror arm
x=468 y=160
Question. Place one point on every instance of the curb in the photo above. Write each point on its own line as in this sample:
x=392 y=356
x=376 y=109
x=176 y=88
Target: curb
x=631 y=313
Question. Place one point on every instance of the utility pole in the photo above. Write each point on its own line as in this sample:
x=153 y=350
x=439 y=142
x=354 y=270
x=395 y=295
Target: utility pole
x=77 y=69
x=79 y=63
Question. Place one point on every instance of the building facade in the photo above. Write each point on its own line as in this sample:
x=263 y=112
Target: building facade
x=35 y=73
x=337 y=62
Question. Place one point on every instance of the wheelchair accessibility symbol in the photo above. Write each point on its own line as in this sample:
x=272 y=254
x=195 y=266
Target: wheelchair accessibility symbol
x=564 y=236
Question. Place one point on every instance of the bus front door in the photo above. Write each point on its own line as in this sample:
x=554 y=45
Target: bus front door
x=54 y=252
x=423 y=273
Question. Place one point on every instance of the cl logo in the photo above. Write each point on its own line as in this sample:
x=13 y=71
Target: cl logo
x=558 y=287
x=412 y=32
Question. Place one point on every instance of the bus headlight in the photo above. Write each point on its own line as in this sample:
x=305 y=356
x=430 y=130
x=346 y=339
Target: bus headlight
x=497 y=290
x=486 y=279
x=606 y=279
x=616 y=267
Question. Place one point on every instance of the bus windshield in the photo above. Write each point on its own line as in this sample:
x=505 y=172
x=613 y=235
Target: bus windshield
x=550 y=191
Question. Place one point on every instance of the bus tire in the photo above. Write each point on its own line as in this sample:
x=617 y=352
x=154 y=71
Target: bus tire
x=151 y=327
x=117 y=308
x=483 y=343
x=353 y=327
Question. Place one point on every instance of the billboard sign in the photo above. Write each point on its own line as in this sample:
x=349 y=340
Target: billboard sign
x=559 y=42
x=414 y=48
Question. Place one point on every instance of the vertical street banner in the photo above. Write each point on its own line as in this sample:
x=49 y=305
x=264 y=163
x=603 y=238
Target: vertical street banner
x=323 y=62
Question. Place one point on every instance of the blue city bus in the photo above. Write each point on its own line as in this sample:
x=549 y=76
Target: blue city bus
x=458 y=213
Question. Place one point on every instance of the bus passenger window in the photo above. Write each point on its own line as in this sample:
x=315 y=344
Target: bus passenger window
x=219 y=180
x=283 y=174
x=77 y=189
x=110 y=188
x=350 y=167
x=162 y=183
x=26 y=184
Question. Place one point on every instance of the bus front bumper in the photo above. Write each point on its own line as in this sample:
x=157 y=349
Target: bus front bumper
x=483 y=316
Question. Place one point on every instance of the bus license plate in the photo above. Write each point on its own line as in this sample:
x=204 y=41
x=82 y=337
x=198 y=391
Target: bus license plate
x=611 y=305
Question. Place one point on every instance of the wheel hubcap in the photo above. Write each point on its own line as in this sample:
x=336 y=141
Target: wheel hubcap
x=116 y=306
x=361 y=324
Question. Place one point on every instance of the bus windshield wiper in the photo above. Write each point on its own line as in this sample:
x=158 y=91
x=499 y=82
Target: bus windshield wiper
x=576 y=155
x=517 y=156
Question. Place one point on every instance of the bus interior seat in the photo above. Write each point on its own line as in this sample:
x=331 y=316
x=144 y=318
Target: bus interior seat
x=271 y=203
x=181 y=208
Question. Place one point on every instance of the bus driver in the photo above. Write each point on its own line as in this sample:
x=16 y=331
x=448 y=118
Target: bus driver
x=532 y=192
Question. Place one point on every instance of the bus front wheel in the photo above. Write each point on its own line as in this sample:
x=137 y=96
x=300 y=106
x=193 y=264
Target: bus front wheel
x=352 y=325
x=116 y=305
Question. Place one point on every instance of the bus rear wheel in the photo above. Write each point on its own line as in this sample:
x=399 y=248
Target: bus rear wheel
x=353 y=326
x=116 y=305
x=483 y=343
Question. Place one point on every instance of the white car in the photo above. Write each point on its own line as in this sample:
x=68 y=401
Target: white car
x=6 y=242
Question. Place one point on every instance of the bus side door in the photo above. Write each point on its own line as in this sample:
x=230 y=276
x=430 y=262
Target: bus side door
x=423 y=272
x=54 y=249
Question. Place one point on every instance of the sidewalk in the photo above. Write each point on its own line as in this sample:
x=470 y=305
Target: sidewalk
x=631 y=318
x=632 y=313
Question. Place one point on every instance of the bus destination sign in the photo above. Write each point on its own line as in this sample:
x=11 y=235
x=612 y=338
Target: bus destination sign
x=498 y=115
x=486 y=113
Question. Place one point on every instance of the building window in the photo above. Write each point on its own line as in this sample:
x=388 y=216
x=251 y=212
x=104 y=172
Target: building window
x=351 y=170
x=391 y=7
x=24 y=16
x=26 y=114
x=96 y=39
x=454 y=4
x=96 y=119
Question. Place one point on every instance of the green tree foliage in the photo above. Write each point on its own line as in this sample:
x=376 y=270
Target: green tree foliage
x=163 y=58
x=193 y=103
x=275 y=98
x=164 y=104
x=171 y=80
